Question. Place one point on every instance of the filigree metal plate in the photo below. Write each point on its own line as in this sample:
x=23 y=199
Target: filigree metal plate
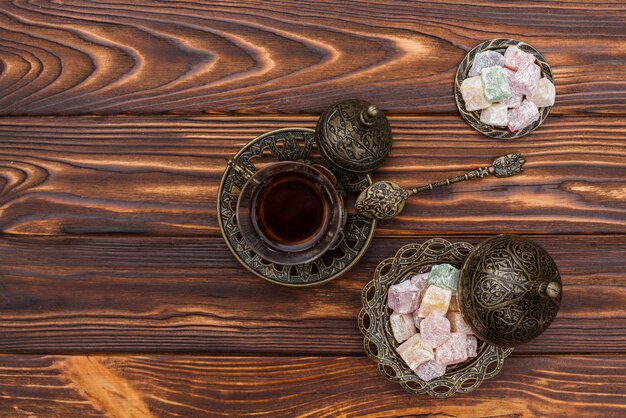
x=473 y=118
x=379 y=343
x=290 y=144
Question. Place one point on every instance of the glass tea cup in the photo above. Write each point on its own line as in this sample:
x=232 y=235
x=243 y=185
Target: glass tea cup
x=291 y=212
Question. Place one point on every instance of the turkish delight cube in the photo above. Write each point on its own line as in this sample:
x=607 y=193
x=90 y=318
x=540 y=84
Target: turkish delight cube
x=402 y=326
x=526 y=79
x=514 y=57
x=515 y=99
x=472 y=346
x=473 y=96
x=414 y=352
x=435 y=329
x=403 y=297
x=544 y=94
x=436 y=299
x=444 y=275
x=420 y=281
x=452 y=351
x=416 y=319
x=484 y=60
x=495 y=115
x=495 y=84
x=457 y=323
x=430 y=370
x=522 y=116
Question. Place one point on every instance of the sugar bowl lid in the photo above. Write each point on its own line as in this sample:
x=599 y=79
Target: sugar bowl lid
x=509 y=290
x=354 y=137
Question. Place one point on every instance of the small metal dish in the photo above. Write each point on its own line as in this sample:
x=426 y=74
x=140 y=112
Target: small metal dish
x=473 y=118
x=379 y=343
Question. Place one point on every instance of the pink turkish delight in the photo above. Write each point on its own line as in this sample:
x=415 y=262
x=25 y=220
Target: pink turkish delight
x=471 y=343
x=452 y=351
x=403 y=297
x=522 y=116
x=458 y=324
x=402 y=326
x=435 y=329
x=420 y=281
x=414 y=352
x=515 y=57
x=430 y=370
x=526 y=79
x=416 y=319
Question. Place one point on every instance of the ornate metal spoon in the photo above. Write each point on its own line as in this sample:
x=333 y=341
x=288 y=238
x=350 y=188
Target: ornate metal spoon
x=385 y=199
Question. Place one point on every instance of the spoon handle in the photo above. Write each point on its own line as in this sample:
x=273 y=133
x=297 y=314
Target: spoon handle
x=504 y=166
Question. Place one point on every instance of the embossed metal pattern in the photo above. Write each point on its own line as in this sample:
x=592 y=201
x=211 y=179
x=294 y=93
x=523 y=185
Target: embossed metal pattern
x=502 y=290
x=382 y=200
x=385 y=199
x=473 y=118
x=379 y=343
x=351 y=148
x=290 y=144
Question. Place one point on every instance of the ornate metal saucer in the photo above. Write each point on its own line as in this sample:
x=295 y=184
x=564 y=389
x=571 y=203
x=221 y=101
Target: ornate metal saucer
x=290 y=144
x=379 y=343
x=473 y=118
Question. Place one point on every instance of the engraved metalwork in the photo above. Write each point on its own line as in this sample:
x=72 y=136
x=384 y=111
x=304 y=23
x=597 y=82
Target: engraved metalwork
x=290 y=144
x=473 y=118
x=354 y=137
x=379 y=343
x=509 y=290
x=385 y=199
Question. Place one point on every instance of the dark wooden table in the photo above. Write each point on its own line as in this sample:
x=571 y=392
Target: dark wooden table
x=118 y=296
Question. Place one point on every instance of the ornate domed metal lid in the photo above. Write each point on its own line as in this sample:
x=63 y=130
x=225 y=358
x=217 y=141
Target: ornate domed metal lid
x=354 y=137
x=509 y=290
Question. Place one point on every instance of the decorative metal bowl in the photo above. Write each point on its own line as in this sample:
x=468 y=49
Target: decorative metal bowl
x=509 y=290
x=379 y=343
x=473 y=118
x=353 y=137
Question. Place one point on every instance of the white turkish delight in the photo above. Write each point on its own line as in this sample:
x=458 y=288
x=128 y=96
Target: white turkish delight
x=473 y=96
x=495 y=115
x=544 y=94
x=402 y=326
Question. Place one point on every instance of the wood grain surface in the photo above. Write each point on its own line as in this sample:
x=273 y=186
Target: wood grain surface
x=78 y=57
x=118 y=296
x=90 y=294
x=160 y=175
x=183 y=386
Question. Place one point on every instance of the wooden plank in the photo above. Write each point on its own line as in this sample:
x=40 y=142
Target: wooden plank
x=79 y=57
x=182 y=386
x=160 y=175
x=105 y=294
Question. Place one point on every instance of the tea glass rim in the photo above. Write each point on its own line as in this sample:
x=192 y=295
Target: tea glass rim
x=332 y=228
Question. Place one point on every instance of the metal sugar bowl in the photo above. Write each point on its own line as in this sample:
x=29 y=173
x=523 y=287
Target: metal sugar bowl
x=509 y=290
